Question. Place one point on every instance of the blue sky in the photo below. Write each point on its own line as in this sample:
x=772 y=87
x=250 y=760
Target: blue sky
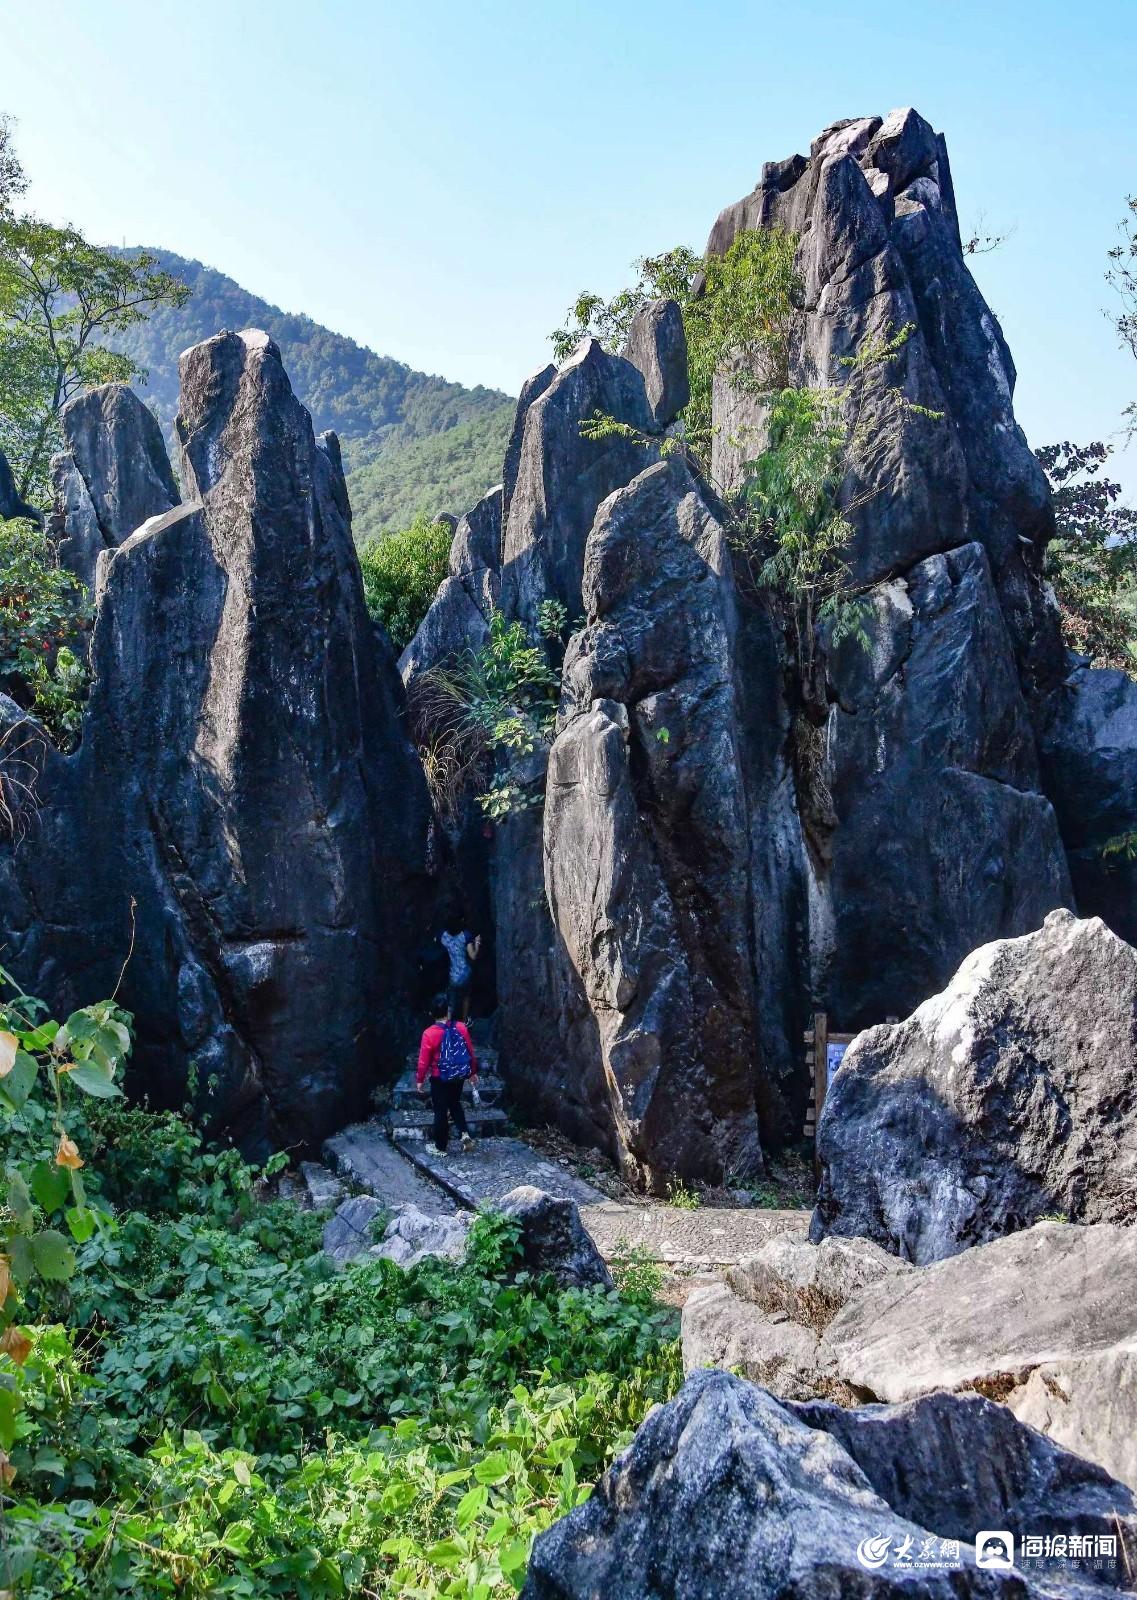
x=440 y=179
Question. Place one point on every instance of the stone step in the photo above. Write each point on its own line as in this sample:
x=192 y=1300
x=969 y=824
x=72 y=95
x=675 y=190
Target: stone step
x=405 y=1095
x=366 y=1159
x=321 y=1185
x=416 y=1122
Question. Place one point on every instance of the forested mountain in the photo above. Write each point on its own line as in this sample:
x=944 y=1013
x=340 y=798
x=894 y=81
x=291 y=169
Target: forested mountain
x=412 y=442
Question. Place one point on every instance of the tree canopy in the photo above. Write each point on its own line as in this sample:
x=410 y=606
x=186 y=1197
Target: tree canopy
x=61 y=297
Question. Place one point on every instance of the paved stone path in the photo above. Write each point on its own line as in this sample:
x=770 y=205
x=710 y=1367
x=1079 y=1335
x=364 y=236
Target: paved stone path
x=493 y=1168
x=699 y=1240
x=411 y=1170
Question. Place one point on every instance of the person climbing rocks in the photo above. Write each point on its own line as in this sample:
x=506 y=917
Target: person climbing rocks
x=446 y=1056
x=462 y=951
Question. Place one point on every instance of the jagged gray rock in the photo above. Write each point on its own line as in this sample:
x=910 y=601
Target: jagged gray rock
x=880 y=251
x=1088 y=748
x=1011 y=1095
x=1087 y=1404
x=722 y=1329
x=946 y=1461
x=413 y=1235
x=646 y=833
x=532 y=389
x=243 y=797
x=929 y=758
x=561 y=477
x=112 y=475
x=1044 y=1320
x=657 y=345
x=1054 y=1292
x=857 y=914
x=11 y=504
x=553 y=1239
x=350 y=1232
x=554 y=480
x=459 y=616
x=768 y=1319
x=725 y=1490
x=810 y=1283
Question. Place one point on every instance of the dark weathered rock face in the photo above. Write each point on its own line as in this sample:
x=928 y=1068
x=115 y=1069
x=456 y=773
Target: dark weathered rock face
x=1088 y=746
x=930 y=760
x=554 y=479
x=112 y=475
x=646 y=858
x=459 y=615
x=241 y=780
x=11 y=505
x=724 y=1490
x=532 y=389
x=928 y=756
x=946 y=1461
x=553 y=1239
x=880 y=251
x=657 y=345
x=1011 y=1095
x=562 y=477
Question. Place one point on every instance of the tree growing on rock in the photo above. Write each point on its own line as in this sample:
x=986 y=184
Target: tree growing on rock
x=60 y=296
x=788 y=519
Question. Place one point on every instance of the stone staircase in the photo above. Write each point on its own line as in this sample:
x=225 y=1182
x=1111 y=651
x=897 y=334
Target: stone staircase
x=409 y=1115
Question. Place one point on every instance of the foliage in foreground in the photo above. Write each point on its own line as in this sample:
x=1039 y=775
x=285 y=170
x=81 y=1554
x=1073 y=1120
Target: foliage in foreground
x=206 y=1408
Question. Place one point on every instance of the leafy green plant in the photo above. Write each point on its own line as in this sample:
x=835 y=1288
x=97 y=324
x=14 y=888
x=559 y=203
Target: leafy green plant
x=59 y=694
x=47 y=1210
x=682 y=1197
x=42 y=606
x=1123 y=845
x=503 y=702
x=1092 y=563
x=738 y=311
x=401 y=573
x=636 y=1271
x=226 y=1414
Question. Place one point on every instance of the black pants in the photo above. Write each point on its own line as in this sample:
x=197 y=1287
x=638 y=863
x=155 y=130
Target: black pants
x=458 y=1000
x=446 y=1098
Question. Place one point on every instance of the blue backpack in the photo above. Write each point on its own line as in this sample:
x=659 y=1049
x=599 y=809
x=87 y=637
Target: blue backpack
x=453 y=1054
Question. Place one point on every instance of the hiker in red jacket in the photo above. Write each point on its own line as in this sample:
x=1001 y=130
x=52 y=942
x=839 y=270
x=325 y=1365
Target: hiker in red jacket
x=446 y=1056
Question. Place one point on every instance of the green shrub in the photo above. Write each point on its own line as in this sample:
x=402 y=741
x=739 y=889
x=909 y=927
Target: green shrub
x=205 y=1407
x=42 y=605
x=401 y=573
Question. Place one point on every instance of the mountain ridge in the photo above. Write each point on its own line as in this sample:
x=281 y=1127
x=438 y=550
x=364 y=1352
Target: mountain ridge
x=412 y=441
